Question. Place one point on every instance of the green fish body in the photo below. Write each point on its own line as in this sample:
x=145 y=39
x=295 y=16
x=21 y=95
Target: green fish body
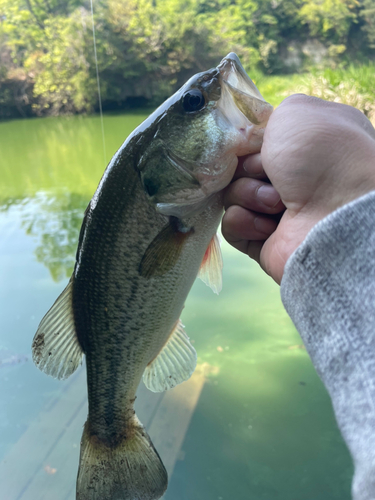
x=147 y=230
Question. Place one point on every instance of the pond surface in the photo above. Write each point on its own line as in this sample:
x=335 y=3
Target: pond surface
x=263 y=427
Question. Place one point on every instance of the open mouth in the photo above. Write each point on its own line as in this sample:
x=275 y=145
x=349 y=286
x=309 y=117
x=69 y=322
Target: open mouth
x=241 y=113
x=243 y=91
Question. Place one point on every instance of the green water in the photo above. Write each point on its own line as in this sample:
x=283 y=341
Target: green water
x=263 y=427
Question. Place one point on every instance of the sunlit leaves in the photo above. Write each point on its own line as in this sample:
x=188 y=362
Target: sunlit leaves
x=63 y=83
x=330 y=18
x=368 y=18
x=147 y=48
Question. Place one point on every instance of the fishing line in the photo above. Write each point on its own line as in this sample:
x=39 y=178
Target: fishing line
x=98 y=81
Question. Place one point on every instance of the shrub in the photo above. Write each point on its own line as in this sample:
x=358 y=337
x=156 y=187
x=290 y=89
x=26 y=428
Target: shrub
x=352 y=85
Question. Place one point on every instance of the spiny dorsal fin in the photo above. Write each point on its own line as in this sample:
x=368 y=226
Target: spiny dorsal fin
x=174 y=364
x=55 y=348
x=164 y=251
x=211 y=270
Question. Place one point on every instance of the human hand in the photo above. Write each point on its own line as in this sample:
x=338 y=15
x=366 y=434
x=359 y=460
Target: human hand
x=318 y=156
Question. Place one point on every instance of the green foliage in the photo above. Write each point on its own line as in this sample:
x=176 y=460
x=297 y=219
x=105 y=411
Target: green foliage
x=46 y=44
x=368 y=19
x=63 y=80
x=353 y=85
x=56 y=230
x=276 y=22
x=328 y=18
x=231 y=25
x=147 y=48
x=275 y=88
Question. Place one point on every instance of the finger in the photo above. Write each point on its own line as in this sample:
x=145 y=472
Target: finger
x=250 y=166
x=254 y=249
x=254 y=195
x=239 y=226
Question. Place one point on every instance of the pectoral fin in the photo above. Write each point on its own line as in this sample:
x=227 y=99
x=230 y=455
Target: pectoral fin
x=211 y=268
x=165 y=249
x=55 y=348
x=174 y=364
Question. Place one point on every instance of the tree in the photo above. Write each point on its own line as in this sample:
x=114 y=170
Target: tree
x=368 y=17
x=63 y=66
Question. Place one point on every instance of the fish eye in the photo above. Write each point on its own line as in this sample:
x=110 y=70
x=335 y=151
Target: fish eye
x=193 y=100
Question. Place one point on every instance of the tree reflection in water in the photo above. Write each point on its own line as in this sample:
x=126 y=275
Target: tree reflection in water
x=54 y=221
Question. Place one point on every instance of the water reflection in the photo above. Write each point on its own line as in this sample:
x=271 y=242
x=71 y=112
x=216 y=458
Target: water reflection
x=256 y=431
x=54 y=221
x=52 y=177
x=57 y=153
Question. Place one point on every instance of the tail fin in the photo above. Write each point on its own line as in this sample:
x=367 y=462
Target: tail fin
x=132 y=470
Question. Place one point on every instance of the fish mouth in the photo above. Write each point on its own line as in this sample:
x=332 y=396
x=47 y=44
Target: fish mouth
x=242 y=115
x=243 y=91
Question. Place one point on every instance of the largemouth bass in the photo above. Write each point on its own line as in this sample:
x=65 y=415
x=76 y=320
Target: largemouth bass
x=147 y=233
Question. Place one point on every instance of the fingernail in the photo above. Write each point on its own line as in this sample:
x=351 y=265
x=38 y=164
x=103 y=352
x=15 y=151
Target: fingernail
x=268 y=196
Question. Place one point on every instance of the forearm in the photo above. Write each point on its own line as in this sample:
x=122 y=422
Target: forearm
x=328 y=289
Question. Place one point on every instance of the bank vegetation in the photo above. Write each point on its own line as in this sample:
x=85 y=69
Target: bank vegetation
x=147 y=48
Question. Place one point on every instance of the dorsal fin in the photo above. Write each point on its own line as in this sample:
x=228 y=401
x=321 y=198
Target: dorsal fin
x=55 y=348
x=211 y=269
x=174 y=364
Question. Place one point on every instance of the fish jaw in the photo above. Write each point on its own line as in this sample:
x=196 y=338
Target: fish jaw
x=248 y=100
x=243 y=105
x=237 y=79
x=242 y=113
x=194 y=154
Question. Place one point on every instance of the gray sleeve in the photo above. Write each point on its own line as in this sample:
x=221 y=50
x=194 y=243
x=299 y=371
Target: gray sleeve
x=328 y=289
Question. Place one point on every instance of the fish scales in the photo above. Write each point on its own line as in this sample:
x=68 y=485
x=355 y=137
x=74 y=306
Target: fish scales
x=131 y=325
x=148 y=231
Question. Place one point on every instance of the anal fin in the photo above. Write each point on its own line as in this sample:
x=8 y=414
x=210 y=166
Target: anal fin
x=55 y=348
x=211 y=269
x=174 y=364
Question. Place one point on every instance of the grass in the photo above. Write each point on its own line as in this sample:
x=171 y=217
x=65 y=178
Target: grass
x=276 y=88
x=352 y=85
